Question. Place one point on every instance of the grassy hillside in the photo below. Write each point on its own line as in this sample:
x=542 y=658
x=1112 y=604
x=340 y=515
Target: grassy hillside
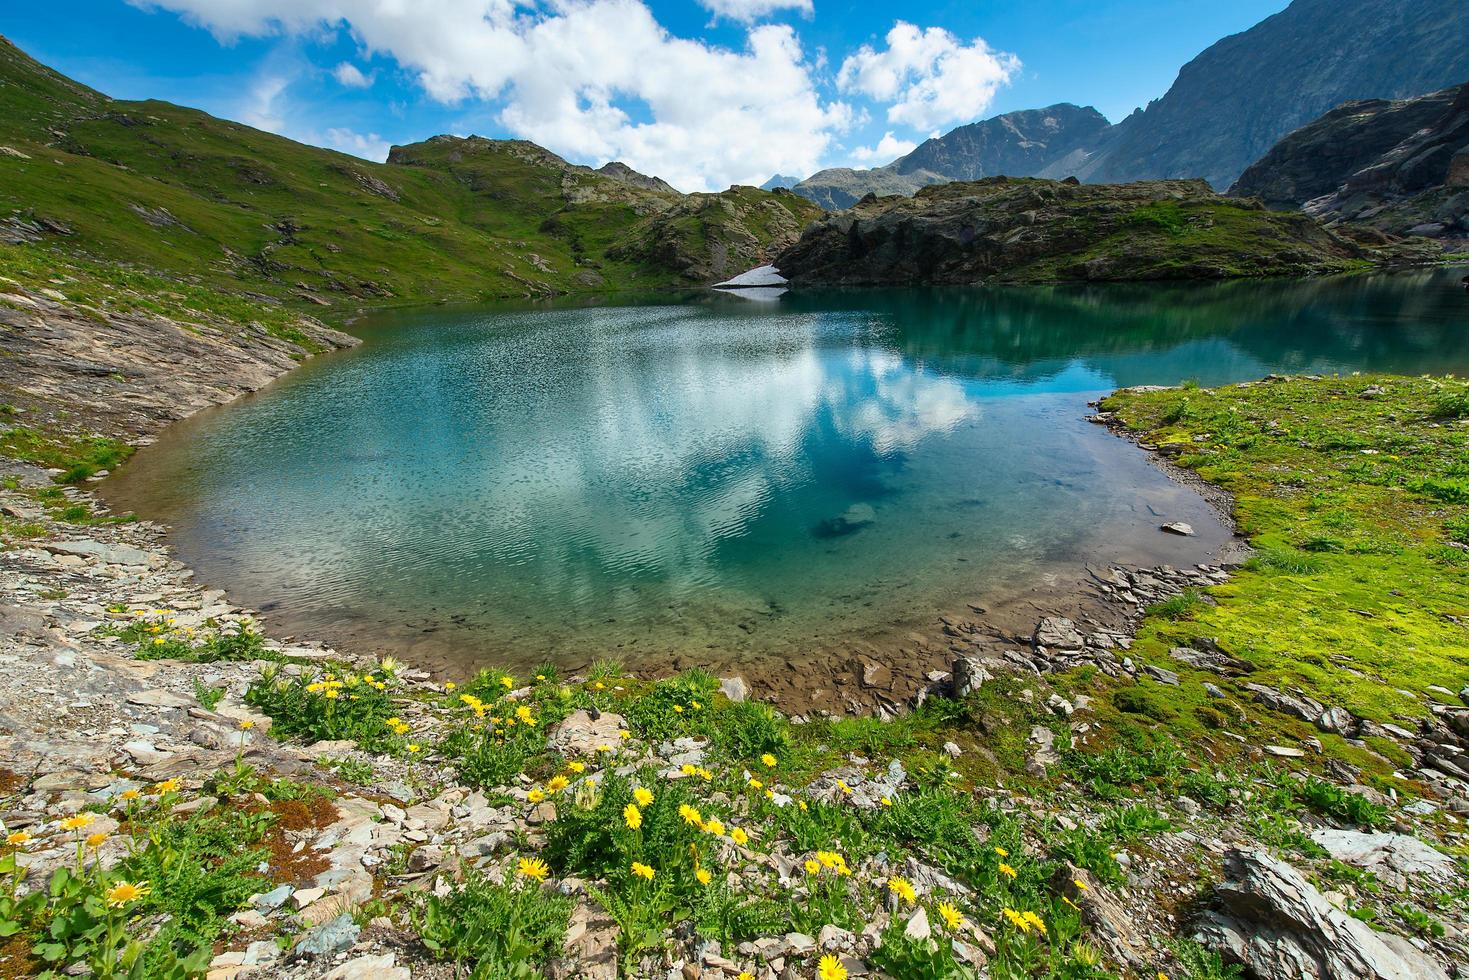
x=179 y=191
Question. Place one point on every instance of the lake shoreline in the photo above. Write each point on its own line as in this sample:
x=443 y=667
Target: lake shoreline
x=850 y=679
x=1024 y=738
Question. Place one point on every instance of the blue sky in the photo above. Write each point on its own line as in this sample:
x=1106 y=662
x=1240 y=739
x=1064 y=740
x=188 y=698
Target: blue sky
x=703 y=94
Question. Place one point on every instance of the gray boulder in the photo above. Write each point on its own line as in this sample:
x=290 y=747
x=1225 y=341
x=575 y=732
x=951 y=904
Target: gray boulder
x=1385 y=852
x=1269 y=918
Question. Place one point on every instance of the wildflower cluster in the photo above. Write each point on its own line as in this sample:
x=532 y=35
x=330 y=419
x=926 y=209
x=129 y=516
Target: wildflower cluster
x=332 y=705
x=188 y=872
x=158 y=635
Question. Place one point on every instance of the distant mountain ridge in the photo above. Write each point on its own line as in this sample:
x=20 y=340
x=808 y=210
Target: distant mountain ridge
x=1020 y=143
x=1226 y=109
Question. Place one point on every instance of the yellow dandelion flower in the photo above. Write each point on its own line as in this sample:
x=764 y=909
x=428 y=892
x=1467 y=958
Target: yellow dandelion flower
x=331 y=695
x=1017 y=920
x=746 y=975
x=642 y=870
x=507 y=682
x=247 y=724
x=414 y=748
x=841 y=785
x=129 y=794
x=125 y=893
x=690 y=815
x=577 y=767
x=688 y=769
x=532 y=868
x=17 y=837
x=643 y=796
x=96 y=840
x=739 y=836
x=78 y=822
x=1006 y=870
x=812 y=867
x=604 y=748
x=449 y=685
x=952 y=917
x=903 y=889
x=1035 y=920
x=633 y=816
x=678 y=709
x=885 y=801
x=714 y=826
x=524 y=714
x=1080 y=885
x=704 y=774
x=755 y=783
x=830 y=968
x=599 y=686
x=703 y=876
x=769 y=760
x=536 y=795
x=556 y=784
x=1002 y=852
x=802 y=805
x=1071 y=903
x=624 y=734
x=696 y=705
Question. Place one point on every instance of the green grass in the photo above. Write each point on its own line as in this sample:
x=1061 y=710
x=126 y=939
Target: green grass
x=227 y=209
x=1354 y=596
x=77 y=457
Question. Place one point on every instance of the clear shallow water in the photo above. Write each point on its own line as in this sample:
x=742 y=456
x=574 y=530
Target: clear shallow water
x=726 y=480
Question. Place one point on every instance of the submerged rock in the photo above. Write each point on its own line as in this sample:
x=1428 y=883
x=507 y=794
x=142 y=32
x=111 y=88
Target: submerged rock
x=852 y=520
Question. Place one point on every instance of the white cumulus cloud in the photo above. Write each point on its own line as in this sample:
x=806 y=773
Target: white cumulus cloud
x=567 y=74
x=888 y=149
x=350 y=75
x=369 y=146
x=928 y=76
x=752 y=10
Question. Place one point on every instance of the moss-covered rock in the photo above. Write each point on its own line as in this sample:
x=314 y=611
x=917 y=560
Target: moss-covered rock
x=1032 y=230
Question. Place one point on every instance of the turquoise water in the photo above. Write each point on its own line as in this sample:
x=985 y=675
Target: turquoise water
x=721 y=479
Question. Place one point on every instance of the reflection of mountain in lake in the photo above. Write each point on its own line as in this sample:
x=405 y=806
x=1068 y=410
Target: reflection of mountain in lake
x=1407 y=323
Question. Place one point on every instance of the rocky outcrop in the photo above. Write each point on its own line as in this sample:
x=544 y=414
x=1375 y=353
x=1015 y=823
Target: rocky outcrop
x=1401 y=167
x=620 y=171
x=1027 y=143
x=1269 y=918
x=705 y=238
x=87 y=370
x=1030 y=230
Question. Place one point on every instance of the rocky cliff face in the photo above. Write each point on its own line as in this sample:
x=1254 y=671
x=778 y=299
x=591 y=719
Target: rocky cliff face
x=1232 y=103
x=1016 y=144
x=1033 y=230
x=1402 y=167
